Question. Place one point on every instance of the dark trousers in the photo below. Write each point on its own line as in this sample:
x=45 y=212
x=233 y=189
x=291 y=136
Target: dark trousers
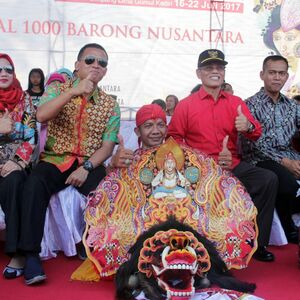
x=45 y=180
x=286 y=200
x=262 y=186
x=10 y=198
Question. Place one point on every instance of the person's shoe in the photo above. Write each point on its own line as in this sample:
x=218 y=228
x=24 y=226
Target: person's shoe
x=81 y=253
x=33 y=271
x=292 y=237
x=11 y=272
x=262 y=254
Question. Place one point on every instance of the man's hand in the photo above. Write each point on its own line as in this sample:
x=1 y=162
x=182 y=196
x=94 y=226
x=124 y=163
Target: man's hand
x=77 y=177
x=84 y=87
x=123 y=157
x=225 y=156
x=6 y=123
x=241 y=121
x=292 y=165
x=9 y=167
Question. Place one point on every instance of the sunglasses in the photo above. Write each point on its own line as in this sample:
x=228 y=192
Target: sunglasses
x=91 y=59
x=7 y=69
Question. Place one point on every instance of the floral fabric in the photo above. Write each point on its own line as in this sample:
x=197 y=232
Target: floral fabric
x=20 y=143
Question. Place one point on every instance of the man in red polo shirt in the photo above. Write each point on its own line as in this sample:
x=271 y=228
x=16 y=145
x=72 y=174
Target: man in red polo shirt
x=210 y=120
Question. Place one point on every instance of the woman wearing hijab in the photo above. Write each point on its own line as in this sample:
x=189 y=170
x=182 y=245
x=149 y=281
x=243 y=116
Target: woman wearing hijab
x=18 y=138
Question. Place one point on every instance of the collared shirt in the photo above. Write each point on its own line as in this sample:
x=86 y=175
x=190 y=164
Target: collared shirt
x=80 y=127
x=202 y=123
x=280 y=121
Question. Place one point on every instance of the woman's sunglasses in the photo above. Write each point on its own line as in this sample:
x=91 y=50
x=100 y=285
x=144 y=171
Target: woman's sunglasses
x=7 y=69
x=91 y=59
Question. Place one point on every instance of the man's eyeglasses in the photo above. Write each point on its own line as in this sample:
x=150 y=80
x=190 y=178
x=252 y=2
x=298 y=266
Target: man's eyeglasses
x=210 y=68
x=91 y=59
x=7 y=69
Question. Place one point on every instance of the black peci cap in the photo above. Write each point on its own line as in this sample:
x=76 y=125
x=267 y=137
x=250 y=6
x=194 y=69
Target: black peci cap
x=211 y=56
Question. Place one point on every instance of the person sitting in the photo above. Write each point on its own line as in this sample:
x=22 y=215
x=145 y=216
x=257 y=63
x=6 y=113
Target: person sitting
x=275 y=151
x=210 y=121
x=129 y=200
x=83 y=123
x=18 y=138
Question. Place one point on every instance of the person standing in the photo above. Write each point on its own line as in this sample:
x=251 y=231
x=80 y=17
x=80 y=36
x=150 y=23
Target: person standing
x=274 y=150
x=210 y=120
x=36 y=79
x=171 y=102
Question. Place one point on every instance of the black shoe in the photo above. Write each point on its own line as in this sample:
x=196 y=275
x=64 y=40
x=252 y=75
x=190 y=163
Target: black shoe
x=11 y=272
x=81 y=253
x=263 y=254
x=292 y=237
x=33 y=271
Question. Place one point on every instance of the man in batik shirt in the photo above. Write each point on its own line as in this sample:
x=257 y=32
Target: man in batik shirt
x=280 y=118
x=83 y=123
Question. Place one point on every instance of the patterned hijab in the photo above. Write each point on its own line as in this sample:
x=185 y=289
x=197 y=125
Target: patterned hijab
x=10 y=96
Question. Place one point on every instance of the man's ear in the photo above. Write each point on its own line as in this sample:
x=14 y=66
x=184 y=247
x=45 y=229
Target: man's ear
x=261 y=75
x=137 y=131
x=77 y=65
x=198 y=73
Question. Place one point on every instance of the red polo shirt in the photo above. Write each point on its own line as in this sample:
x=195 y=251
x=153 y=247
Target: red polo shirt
x=202 y=123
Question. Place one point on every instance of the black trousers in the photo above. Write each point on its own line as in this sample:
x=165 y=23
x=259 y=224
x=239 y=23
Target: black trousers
x=45 y=180
x=286 y=201
x=262 y=186
x=11 y=188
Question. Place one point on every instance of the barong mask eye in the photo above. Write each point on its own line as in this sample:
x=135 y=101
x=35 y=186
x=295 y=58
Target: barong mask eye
x=91 y=59
x=7 y=69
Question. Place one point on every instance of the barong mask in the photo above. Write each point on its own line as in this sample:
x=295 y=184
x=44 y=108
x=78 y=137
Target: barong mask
x=172 y=261
x=173 y=258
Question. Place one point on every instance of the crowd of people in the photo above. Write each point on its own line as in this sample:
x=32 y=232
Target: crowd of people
x=251 y=139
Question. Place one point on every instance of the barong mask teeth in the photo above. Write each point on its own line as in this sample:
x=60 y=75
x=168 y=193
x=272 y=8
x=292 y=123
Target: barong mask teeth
x=173 y=258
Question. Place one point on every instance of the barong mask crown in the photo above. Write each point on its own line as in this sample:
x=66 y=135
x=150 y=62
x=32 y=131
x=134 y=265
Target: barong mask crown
x=169 y=150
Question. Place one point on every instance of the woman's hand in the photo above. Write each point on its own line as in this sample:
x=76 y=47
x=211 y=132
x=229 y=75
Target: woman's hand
x=9 y=167
x=6 y=123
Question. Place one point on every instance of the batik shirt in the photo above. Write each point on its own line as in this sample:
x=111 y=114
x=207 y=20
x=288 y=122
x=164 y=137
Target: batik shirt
x=80 y=127
x=20 y=143
x=280 y=121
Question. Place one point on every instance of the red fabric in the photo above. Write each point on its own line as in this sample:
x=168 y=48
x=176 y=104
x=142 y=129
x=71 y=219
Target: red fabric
x=277 y=280
x=10 y=96
x=24 y=151
x=202 y=123
x=149 y=112
x=55 y=77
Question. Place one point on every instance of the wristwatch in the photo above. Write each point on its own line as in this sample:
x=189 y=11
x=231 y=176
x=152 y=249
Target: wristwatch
x=87 y=165
x=251 y=127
